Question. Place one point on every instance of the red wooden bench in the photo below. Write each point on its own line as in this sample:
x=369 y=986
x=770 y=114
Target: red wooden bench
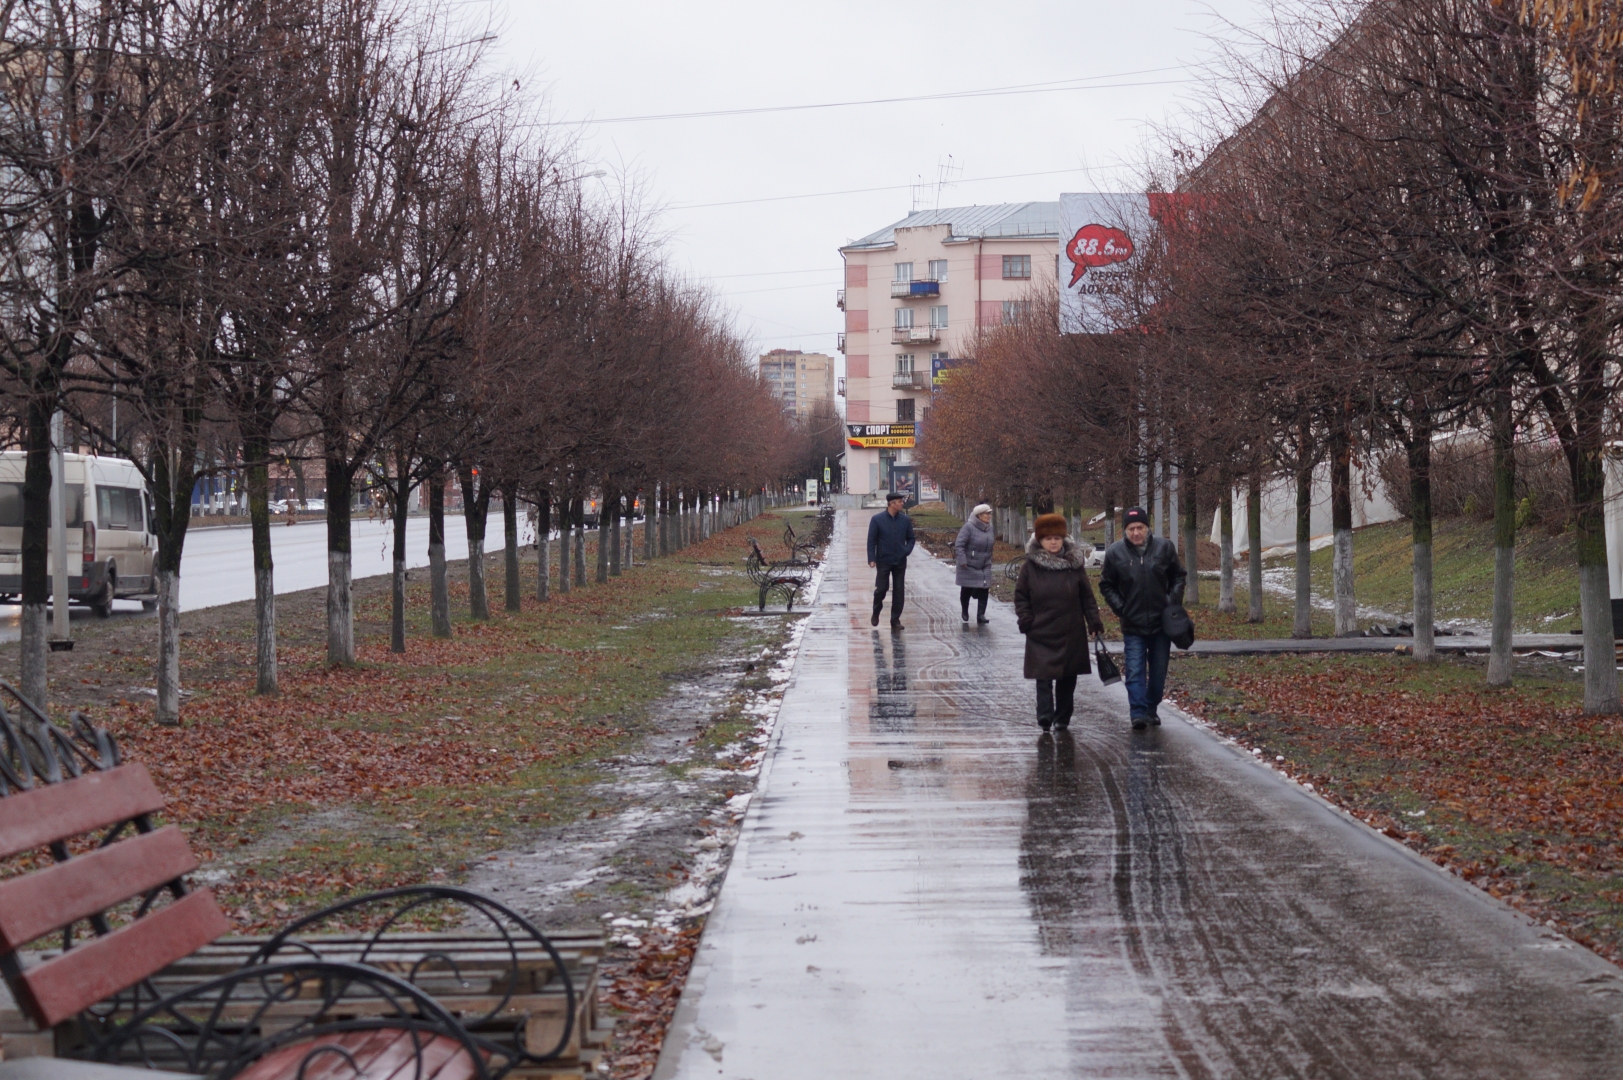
x=112 y=884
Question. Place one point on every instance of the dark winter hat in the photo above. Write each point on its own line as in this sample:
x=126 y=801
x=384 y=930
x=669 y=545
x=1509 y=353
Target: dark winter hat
x=1138 y=514
x=1050 y=525
x=893 y=496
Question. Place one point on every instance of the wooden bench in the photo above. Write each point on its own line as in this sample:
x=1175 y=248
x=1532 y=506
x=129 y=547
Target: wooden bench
x=142 y=976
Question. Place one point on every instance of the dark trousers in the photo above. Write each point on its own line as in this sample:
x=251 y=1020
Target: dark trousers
x=1054 y=699
x=979 y=595
x=889 y=575
x=1145 y=657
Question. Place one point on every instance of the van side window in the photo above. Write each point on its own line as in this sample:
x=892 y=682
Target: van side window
x=11 y=506
x=111 y=511
x=132 y=504
x=152 y=517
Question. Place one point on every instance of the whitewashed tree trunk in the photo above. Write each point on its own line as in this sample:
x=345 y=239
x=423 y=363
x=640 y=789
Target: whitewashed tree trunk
x=1225 y=543
x=1600 y=655
x=168 y=673
x=1346 y=603
x=265 y=628
x=439 y=588
x=478 y=598
x=1501 y=661
x=340 y=609
x=1425 y=636
x=34 y=633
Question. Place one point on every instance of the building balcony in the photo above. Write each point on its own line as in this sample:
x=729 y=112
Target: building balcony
x=910 y=380
x=839 y=386
x=909 y=335
x=839 y=299
x=912 y=290
x=839 y=341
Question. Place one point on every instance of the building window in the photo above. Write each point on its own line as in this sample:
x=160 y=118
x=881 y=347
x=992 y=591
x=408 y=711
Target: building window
x=1016 y=267
x=904 y=271
x=904 y=318
x=1015 y=311
x=938 y=316
x=904 y=409
x=904 y=363
x=938 y=269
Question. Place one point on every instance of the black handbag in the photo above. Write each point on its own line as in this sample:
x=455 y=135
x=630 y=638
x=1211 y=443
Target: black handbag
x=1109 y=673
x=1177 y=626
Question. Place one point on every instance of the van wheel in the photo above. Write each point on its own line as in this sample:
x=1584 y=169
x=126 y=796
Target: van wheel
x=103 y=604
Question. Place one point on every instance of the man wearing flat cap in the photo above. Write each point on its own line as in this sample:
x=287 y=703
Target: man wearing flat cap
x=890 y=542
x=1141 y=576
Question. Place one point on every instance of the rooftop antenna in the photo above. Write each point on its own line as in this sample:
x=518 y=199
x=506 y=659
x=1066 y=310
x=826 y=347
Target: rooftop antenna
x=917 y=187
x=945 y=171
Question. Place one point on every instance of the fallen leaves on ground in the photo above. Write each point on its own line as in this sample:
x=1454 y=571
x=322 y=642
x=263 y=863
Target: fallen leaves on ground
x=644 y=994
x=1500 y=787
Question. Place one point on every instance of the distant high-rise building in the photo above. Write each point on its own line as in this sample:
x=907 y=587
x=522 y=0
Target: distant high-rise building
x=916 y=295
x=800 y=380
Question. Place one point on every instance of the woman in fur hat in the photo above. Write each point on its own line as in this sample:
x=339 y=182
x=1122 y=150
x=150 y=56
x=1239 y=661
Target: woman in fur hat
x=1054 y=603
x=972 y=552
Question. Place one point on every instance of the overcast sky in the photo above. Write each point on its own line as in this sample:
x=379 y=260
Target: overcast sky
x=776 y=264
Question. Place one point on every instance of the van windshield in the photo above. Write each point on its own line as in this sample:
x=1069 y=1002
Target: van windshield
x=11 y=506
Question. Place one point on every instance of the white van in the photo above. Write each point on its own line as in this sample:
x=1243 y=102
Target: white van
x=110 y=535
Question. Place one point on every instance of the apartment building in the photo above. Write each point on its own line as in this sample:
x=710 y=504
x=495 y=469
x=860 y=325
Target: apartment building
x=916 y=294
x=801 y=380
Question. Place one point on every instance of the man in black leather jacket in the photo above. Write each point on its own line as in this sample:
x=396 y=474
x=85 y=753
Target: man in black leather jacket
x=1141 y=576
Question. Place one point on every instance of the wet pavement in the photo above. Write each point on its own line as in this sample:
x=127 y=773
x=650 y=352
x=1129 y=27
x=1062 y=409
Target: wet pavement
x=924 y=887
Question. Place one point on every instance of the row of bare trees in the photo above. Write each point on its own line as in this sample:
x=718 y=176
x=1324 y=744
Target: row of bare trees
x=253 y=230
x=1404 y=222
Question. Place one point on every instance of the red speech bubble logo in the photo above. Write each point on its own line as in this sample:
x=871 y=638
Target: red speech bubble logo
x=1096 y=245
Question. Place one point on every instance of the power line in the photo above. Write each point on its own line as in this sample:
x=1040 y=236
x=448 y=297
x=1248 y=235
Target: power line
x=1086 y=83
x=864 y=191
x=777 y=273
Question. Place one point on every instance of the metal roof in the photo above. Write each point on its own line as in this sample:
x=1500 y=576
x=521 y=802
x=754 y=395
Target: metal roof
x=1034 y=219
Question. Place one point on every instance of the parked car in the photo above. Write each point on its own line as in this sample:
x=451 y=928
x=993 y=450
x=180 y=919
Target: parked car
x=278 y=506
x=315 y=504
x=110 y=541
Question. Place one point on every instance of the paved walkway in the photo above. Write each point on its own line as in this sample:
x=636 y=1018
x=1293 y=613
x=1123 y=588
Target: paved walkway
x=926 y=888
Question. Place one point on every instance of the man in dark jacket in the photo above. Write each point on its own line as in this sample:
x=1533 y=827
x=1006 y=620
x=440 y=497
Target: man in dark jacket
x=1141 y=576
x=890 y=542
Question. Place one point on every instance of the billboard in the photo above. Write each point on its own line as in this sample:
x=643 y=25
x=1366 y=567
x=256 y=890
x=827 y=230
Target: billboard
x=881 y=436
x=1102 y=236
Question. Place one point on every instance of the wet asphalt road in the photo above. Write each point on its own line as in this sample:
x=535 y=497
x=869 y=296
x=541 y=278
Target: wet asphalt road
x=926 y=888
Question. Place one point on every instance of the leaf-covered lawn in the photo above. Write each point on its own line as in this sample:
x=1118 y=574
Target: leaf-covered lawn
x=1512 y=789
x=408 y=767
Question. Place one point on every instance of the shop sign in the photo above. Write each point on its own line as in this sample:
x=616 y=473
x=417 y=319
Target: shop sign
x=881 y=436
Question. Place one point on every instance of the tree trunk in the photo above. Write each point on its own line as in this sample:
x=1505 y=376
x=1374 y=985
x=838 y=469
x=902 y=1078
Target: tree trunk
x=475 y=517
x=565 y=538
x=1225 y=538
x=1253 y=560
x=613 y=510
x=256 y=458
x=1594 y=591
x=1425 y=641
x=630 y=509
x=1302 y=626
x=650 y=511
x=174 y=474
x=664 y=519
x=1341 y=522
x=513 y=601
x=1501 y=661
x=36 y=583
x=1191 y=533
x=603 y=528
x=580 y=541
x=439 y=604
x=397 y=584
x=340 y=596
x=543 y=544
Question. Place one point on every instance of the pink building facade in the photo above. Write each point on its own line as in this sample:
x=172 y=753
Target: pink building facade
x=917 y=294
